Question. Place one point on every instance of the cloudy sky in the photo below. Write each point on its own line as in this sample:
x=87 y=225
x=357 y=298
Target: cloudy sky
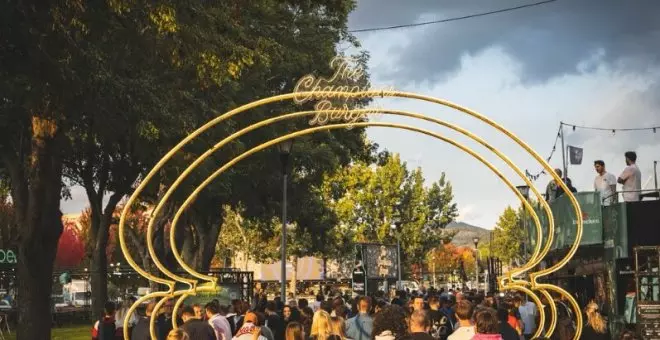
x=586 y=62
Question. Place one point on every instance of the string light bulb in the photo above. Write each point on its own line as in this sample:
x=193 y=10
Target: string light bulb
x=573 y=127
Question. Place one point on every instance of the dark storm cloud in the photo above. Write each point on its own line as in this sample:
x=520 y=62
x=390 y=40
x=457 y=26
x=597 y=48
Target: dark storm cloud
x=548 y=40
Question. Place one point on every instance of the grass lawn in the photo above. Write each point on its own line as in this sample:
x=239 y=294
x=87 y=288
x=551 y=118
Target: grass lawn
x=65 y=333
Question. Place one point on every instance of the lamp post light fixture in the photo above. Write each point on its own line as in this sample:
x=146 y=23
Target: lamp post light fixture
x=284 y=148
x=476 y=262
x=523 y=190
x=397 y=222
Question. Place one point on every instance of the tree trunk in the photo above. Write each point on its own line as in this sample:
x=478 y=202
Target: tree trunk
x=293 y=283
x=208 y=238
x=101 y=221
x=188 y=248
x=36 y=193
x=99 y=278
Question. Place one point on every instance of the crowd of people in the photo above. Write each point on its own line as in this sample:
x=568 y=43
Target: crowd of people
x=428 y=315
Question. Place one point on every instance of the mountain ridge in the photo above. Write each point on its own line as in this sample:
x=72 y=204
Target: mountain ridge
x=467 y=232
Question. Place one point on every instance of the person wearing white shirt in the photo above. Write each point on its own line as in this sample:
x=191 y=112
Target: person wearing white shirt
x=631 y=178
x=605 y=184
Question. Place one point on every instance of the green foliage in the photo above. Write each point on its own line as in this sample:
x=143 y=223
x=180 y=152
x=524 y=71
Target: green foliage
x=369 y=199
x=123 y=81
x=508 y=236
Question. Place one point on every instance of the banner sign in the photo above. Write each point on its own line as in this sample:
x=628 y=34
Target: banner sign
x=358 y=284
x=8 y=258
x=380 y=261
x=224 y=293
x=565 y=221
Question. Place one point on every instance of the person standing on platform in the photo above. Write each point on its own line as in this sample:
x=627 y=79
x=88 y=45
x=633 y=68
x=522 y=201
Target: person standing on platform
x=605 y=184
x=631 y=178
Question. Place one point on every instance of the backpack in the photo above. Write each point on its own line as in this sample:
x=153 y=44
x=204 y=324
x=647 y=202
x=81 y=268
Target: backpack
x=441 y=328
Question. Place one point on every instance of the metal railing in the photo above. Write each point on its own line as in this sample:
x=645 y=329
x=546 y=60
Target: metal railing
x=654 y=194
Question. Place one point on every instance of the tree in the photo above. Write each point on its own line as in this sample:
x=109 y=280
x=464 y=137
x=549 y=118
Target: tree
x=369 y=199
x=96 y=91
x=508 y=235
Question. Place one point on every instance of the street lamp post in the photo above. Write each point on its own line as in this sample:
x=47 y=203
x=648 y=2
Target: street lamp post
x=433 y=259
x=284 y=149
x=393 y=226
x=476 y=262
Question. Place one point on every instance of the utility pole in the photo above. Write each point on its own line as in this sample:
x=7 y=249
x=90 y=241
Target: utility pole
x=563 y=150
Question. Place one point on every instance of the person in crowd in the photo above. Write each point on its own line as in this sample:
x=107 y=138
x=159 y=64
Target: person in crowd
x=631 y=178
x=273 y=321
x=440 y=326
x=164 y=321
x=551 y=188
x=605 y=184
x=219 y=323
x=340 y=311
x=506 y=331
x=448 y=311
x=290 y=314
x=141 y=329
x=418 y=303
x=177 y=334
x=399 y=297
x=360 y=327
x=199 y=314
x=317 y=304
x=465 y=330
x=322 y=327
x=235 y=314
x=337 y=323
x=250 y=329
x=595 y=327
x=378 y=306
x=294 y=331
x=527 y=311
x=326 y=306
x=487 y=326
x=514 y=317
x=306 y=320
x=302 y=303
x=104 y=329
x=565 y=329
x=390 y=324
x=261 y=322
x=196 y=328
x=121 y=314
x=420 y=325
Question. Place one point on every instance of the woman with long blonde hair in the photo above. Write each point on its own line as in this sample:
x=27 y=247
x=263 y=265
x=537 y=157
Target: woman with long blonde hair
x=322 y=327
x=337 y=323
x=595 y=327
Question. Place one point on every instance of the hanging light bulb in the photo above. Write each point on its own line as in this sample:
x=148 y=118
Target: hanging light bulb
x=653 y=130
x=613 y=131
x=573 y=127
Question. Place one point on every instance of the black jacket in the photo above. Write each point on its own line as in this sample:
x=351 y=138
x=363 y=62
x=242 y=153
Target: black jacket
x=198 y=330
x=141 y=330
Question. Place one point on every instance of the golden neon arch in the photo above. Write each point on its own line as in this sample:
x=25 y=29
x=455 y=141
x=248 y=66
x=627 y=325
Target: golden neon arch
x=192 y=283
x=293 y=115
